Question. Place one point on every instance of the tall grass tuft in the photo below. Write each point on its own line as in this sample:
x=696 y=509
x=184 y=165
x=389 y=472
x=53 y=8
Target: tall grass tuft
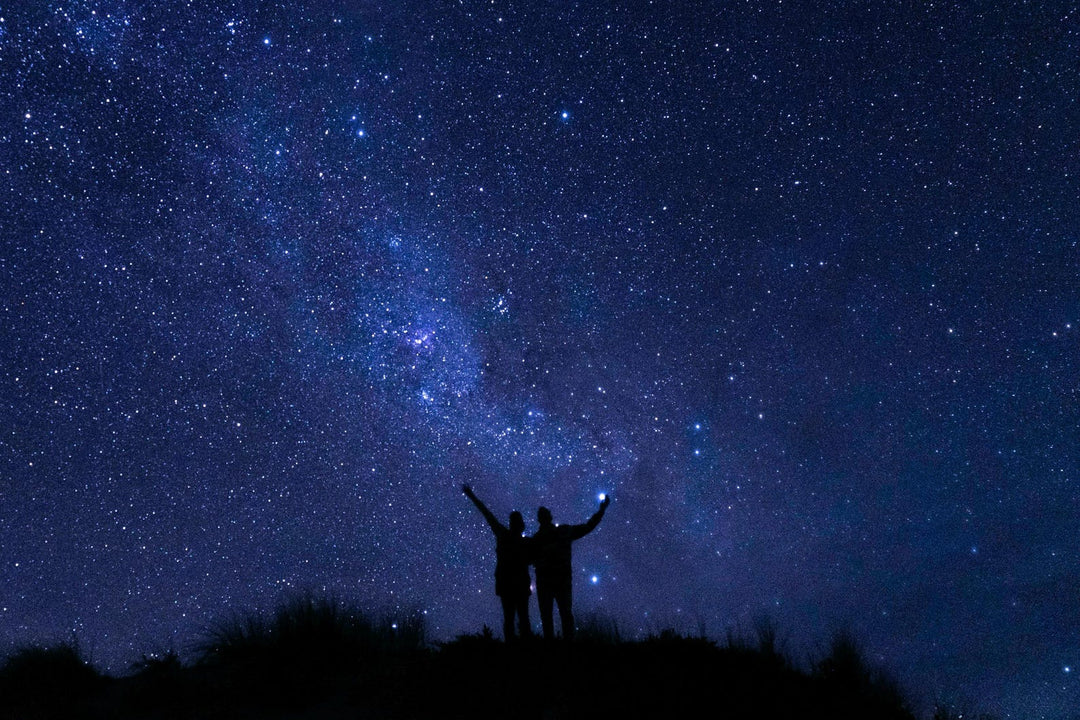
x=598 y=629
x=308 y=637
x=31 y=677
x=846 y=670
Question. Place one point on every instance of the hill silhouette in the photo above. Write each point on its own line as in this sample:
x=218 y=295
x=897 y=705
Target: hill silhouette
x=317 y=659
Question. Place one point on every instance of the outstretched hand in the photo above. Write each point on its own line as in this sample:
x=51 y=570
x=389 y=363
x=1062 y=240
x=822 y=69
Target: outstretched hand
x=467 y=489
x=605 y=502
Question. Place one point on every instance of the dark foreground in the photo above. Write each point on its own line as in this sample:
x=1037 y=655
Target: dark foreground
x=318 y=662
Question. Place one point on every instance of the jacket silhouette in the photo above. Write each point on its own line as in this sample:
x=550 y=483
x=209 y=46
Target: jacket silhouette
x=554 y=569
x=512 y=582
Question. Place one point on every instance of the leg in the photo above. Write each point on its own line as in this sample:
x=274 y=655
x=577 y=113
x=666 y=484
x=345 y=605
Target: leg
x=508 y=617
x=564 y=598
x=545 y=599
x=525 y=627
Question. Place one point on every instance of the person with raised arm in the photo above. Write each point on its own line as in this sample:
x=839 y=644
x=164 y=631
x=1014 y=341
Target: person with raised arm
x=554 y=574
x=513 y=584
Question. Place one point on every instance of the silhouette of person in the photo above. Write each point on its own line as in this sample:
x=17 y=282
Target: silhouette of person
x=554 y=576
x=512 y=581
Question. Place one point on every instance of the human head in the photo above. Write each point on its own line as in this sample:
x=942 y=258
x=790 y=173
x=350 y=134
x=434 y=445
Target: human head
x=517 y=523
x=543 y=516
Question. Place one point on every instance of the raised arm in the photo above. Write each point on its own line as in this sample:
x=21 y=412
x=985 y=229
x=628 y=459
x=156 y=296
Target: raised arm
x=492 y=521
x=578 y=531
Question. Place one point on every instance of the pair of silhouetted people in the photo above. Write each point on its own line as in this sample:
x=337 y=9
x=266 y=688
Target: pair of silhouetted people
x=549 y=552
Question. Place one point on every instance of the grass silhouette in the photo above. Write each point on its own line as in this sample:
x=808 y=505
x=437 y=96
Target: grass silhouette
x=51 y=681
x=309 y=649
x=319 y=632
x=316 y=658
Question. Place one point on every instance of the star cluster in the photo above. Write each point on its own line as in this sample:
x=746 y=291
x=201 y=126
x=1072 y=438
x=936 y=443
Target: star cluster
x=796 y=284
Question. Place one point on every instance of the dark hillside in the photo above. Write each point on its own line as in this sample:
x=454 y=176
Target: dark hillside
x=316 y=660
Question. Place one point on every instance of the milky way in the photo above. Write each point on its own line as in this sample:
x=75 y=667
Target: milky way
x=797 y=284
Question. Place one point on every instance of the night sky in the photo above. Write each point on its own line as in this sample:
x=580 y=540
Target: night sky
x=797 y=283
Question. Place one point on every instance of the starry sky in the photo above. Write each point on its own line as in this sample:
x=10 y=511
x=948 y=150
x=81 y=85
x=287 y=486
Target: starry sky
x=796 y=283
